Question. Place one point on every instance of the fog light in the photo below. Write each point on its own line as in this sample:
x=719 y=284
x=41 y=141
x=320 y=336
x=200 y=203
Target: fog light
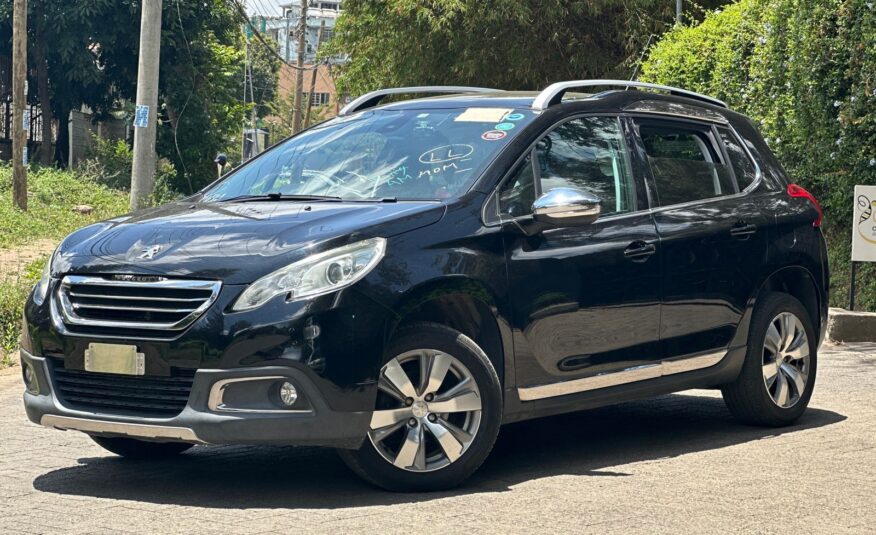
x=30 y=380
x=288 y=394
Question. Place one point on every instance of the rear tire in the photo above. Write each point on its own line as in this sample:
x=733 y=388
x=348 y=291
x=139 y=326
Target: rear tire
x=438 y=412
x=778 y=376
x=131 y=448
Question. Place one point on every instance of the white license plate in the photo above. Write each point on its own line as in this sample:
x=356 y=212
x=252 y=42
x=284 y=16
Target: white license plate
x=114 y=358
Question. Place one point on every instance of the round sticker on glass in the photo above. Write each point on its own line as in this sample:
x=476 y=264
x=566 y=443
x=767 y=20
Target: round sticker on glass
x=493 y=135
x=504 y=126
x=514 y=117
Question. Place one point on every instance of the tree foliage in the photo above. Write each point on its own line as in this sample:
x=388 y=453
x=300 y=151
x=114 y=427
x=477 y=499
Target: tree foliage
x=522 y=44
x=91 y=49
x=805 y=70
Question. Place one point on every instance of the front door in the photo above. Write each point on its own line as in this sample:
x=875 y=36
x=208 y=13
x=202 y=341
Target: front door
x=586 y=300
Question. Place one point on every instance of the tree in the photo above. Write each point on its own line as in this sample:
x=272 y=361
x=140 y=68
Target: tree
x=85 y=53
x=803 y=70
x=520 y=44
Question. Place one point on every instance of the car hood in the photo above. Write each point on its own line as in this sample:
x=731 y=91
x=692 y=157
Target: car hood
x=233 y=242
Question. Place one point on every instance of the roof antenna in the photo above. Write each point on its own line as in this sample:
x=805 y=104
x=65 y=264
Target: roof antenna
x=641 y=57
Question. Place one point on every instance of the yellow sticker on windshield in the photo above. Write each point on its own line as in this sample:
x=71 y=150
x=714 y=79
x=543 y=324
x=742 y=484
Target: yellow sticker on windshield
x=482 y=115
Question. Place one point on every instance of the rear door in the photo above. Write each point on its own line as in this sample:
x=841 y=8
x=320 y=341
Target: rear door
x=712 y=233
x=586 y=299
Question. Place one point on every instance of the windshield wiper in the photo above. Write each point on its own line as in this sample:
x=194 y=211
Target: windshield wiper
x=281 y=197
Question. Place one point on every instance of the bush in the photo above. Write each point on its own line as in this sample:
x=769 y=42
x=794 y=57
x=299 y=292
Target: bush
x=111 y=161
x=13 y=294
x=803 y=70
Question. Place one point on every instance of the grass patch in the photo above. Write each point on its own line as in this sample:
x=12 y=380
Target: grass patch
x=52 y=194
x=13 y=294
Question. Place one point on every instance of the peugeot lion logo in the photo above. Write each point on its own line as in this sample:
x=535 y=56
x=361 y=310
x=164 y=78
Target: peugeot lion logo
x=149 y=252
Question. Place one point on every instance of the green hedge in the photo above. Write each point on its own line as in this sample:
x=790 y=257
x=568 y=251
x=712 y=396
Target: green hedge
x=805 y=71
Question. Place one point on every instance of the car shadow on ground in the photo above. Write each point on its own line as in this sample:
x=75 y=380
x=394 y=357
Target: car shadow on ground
x=585 y=444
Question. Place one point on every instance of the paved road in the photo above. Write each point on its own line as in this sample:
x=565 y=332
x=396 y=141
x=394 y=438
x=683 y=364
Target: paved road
x=674 y=464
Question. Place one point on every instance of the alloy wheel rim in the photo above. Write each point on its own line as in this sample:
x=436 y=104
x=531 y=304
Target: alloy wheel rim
x=428 y=411
x=786 y=359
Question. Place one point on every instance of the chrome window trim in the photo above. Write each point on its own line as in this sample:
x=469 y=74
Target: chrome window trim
x=629 y=375
x=369 y=100
x=217 y=392
x=69 y=317
x=758 y=180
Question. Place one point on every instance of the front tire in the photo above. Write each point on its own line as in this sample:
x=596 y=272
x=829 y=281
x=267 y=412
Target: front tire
x=437 y=414
x=131 y=448
x=778 y=376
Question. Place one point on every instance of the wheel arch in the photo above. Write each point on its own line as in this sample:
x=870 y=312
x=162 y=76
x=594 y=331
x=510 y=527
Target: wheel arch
x=466 y=305
x=798 y=282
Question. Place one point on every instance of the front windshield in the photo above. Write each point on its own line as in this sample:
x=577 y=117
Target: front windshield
x=401 y=154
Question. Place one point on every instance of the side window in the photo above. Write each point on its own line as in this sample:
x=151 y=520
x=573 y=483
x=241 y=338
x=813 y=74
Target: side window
x=685 y=164
x=518 y=192
x=588 y=154
x=742 y=165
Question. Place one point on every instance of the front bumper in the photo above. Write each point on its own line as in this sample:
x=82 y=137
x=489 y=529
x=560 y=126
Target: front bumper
x=204 y=418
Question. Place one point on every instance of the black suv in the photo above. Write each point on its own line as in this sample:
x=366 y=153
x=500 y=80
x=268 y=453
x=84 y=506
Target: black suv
x=400 y=281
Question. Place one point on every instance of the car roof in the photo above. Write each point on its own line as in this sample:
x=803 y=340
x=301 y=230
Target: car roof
x=625 y=95
x=607 y=101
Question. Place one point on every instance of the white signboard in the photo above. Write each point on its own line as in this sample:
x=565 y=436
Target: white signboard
x=864 y=225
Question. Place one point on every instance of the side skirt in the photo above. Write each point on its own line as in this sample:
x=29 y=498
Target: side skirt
x=629 y=375
x=726 y=369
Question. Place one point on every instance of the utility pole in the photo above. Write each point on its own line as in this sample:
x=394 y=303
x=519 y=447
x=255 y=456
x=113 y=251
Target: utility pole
x=243 y=157
x=254 y=116
x=678 y=11
x=145 y=119
x=288 y=37
x=313 y=75
x=299 y=72
x=19 y=103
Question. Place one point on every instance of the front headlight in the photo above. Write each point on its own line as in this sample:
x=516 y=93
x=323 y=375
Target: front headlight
x=315 y=275
x=42 y=286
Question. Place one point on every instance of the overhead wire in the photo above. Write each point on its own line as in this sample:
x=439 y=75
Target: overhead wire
x=186 y=104
x=241 y=13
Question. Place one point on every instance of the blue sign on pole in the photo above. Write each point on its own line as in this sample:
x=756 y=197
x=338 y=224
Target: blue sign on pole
x=141 y=116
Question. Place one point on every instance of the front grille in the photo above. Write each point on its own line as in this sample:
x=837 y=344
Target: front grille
x=160 y=397
x=118 y=305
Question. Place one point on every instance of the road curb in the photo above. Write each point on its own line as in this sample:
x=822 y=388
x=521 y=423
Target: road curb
x=851 y=326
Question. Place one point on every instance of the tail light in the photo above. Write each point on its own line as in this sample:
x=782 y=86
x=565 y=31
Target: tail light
x=798 y=191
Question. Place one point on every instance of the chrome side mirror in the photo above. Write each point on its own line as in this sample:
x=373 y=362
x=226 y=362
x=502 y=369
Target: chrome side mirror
x=566 y=207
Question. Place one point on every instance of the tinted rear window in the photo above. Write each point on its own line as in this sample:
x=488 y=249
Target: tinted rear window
x=743 y=167
x=685 y=164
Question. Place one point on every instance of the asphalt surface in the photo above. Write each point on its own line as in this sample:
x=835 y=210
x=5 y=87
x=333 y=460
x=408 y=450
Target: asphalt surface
x=675 y=464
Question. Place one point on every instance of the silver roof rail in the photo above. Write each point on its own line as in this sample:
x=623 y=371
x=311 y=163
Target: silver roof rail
x=554 y=92
x=369 y=100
